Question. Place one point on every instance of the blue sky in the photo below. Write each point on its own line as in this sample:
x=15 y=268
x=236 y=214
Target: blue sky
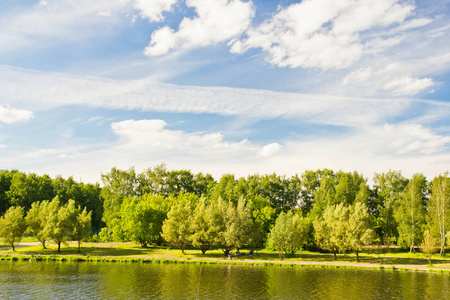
x=224 y=86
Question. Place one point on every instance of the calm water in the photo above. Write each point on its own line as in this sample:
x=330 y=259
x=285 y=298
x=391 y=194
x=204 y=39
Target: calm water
x=55 y=280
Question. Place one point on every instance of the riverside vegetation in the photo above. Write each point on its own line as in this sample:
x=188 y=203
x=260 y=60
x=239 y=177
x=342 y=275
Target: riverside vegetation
x=321 y=210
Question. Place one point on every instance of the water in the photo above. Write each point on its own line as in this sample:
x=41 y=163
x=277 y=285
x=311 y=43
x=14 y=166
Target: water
x=63 y=280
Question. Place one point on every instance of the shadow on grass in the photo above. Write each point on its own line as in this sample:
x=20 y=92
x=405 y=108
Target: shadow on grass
x=89 y=249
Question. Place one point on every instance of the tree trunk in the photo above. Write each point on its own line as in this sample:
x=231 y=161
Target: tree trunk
x=357 y=256
x=59 y=246
x=43 y=245
x=79 y=246
x=334 y=253
x=14 y=249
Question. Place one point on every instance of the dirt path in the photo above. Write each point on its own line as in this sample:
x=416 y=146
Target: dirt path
x=21 y=245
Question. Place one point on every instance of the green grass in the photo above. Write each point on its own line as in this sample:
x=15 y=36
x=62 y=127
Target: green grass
x=132 y=252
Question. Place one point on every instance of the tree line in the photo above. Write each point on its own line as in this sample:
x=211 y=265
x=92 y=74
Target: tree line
x=322 y=209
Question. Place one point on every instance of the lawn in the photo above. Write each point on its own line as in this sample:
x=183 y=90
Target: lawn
x=131 y=251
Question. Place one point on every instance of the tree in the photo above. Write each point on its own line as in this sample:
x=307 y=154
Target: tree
x=12 y=225
x=36 y=220
x=428 y=245
x=290 y=232
x=141 y=219
x=176 y=229
x=26 y=189
x=331 y=230
x=359 y=227
x=82 y=228
x=200 y=227
x=410 y=212
x=388 y=187
x=117 y=185
x=5 y=184
x=439 y=208
x=229 y=224
x=60 y=221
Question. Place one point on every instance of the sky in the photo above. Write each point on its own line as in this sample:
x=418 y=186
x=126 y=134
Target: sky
x=225 y=86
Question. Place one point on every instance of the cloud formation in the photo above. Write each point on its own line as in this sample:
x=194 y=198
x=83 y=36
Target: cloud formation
x=326 y=34
x=153 y=9
x=215 y=21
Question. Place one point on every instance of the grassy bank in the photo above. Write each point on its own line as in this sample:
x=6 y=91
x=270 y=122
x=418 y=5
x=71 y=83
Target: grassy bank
x=392 y=259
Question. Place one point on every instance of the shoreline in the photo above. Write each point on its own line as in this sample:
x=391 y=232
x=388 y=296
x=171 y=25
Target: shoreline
x=235 y=261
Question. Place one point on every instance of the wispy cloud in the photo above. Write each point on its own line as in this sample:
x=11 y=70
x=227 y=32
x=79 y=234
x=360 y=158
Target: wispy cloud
x=40 y=89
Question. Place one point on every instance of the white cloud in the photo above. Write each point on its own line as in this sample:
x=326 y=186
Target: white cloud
x=216 y=21
x=153 y=9
x=11 y=115
x=408 y=86
x=270 y=150
x=324 y=34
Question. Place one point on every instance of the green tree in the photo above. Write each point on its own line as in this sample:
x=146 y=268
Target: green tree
x=331 y=230
x=410 y=212
x=36 y=220
x=26 y=189
x=82 y=226
x=229 y=224
x=388 y=187
x=117 y=185
x=428 y=245
x=61 y=220
x=359 y=228
x=290 y=233
x=5 y=184
x=141 y=219
x=176 y=229
x=12 y=225
x=439 y=208
x=202 y=237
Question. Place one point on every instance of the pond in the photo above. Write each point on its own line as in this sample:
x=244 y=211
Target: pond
x=87 y=280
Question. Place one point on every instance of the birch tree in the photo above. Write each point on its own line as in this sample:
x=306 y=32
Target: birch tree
x=439 y=208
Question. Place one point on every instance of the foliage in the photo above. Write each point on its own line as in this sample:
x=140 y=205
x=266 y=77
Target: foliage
x=176 y=229
x=410 y=212
x=82 y=227
x=428 y=245
x=290 y=233
x=360 y=232
x=331 y=230
x=36 y=220
x=12 y=225
x=61 y=220
x=388 y=187
x=439 y=208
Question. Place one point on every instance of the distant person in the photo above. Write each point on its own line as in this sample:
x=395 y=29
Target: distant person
x=230 y=255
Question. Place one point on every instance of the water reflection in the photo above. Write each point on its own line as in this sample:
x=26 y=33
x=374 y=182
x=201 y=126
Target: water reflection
x=53 y=280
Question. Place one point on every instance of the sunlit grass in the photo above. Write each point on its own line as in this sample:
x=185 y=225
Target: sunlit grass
x=134 y=252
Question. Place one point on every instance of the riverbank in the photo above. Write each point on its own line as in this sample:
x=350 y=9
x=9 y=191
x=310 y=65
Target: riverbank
x=391 y=259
